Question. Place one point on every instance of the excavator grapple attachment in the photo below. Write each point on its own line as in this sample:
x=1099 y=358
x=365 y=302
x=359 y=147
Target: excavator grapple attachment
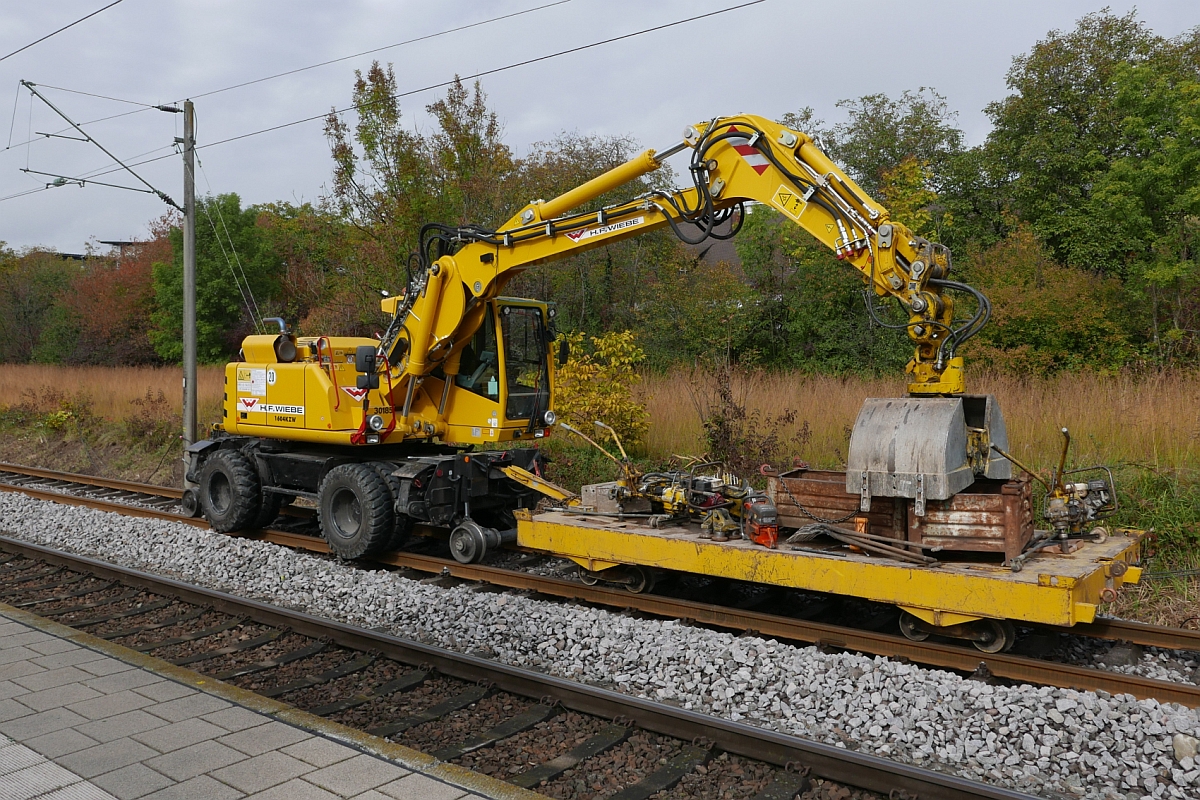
x=924 y=448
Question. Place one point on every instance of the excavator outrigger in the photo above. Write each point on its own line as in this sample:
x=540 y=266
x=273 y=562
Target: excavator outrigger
x=381 y=434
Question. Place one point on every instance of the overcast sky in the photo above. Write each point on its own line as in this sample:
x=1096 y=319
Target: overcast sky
x=767 y=59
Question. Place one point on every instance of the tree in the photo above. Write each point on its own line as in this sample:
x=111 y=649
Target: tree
x=1060 y=128
x=1148 y=199
x=235 y=282
x=1047 y=317
x=389 y=181
x=30 y=284
x=808 y=310
x=881 y=133
x=102 y=316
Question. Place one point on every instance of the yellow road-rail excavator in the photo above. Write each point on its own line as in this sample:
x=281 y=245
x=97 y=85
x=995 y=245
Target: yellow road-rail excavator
x=384 y=434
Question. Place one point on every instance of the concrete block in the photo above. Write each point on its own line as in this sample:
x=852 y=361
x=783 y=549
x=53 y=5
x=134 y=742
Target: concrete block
x=319 y=751
x=356 y=775
x=105 y=666
x=272 y=736
x=163 y=691
x=199 y=788
x=48 y=679
x=69 y=658
x=178 y=735
x=58 y=696
x=31 y=725
x=122 y=681
x=59 y=743
x=17 y=654
x=25 y=639
x=11 y=709
x=262 y=772
x=194 y=705
x=106 y=757
x=236 y=718
x=127 y=724
x=53 y=645
x=297 y=789
x=421 y=787
x=195 y=760
x=16 y=668
x=110 y=705
x=135 y=780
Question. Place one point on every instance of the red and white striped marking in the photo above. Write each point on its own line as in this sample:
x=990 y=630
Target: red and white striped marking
x=751 y=154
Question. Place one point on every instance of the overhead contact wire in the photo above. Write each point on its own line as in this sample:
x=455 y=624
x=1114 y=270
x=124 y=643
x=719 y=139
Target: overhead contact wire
x=447 y=83
x=60 y=30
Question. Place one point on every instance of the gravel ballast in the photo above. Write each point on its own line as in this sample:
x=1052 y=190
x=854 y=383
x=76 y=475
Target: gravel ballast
x=1043 y=740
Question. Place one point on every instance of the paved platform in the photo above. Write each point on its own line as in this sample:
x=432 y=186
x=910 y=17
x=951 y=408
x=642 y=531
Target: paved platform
x=84 y=719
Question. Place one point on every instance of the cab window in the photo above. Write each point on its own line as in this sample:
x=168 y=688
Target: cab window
x=479 y=369
x=525 y=365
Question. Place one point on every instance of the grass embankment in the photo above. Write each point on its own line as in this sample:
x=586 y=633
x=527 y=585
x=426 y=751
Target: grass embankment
x=125 y=423
x=120 y=422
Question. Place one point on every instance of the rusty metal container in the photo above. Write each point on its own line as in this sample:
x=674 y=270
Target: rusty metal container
x=990 y=516
x=823 y=494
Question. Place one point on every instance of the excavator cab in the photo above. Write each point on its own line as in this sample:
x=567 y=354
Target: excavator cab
x=505 y=377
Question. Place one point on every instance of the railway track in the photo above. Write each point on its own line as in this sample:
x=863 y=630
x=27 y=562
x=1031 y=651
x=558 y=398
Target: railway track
x=88 y=491
x=537 y=731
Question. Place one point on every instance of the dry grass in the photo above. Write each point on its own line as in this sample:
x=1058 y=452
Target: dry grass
x=112 y=390
x=1152 y=420
x=1124 y=419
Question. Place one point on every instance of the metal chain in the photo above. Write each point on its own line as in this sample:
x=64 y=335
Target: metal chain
x=808 y=513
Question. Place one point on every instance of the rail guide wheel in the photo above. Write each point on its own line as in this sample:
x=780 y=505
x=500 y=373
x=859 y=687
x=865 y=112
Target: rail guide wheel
x=987 y=635
x=995 y=635
x=910 y=626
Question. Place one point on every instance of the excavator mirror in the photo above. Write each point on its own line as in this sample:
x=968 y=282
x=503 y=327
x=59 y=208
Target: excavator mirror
x=364 y=359
x=564 y=352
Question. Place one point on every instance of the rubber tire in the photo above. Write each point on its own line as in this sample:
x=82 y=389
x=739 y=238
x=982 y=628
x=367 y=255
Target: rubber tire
x=404 y=523
x=355 y=510
x=230 y=494
x=271 y=503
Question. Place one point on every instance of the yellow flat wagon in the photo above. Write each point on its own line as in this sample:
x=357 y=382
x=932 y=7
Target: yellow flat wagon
x=966 y=598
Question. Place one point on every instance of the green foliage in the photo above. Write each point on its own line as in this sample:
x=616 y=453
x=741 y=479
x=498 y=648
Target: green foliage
x=695 y=311
x=905 y=191
x=1166 y=501
x=1046 y=317
x=807 y=312
x=1061 y=127
x=30 y=287
x=882 y=132
x=598 y=386
x=235 y=281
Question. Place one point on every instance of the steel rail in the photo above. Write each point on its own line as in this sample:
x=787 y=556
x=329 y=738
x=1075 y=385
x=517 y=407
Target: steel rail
x=826 y=761
x=92 y=480
x=945 y=656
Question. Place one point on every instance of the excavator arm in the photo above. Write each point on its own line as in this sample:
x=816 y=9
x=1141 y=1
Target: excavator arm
x=734 y=161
